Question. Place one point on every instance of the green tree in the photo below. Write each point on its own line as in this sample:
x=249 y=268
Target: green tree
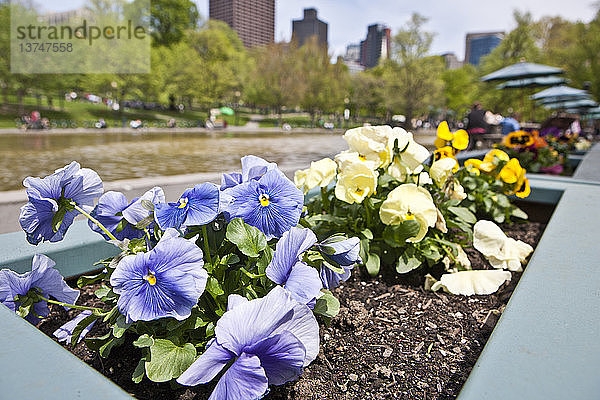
x=460 y=88
x=413 y=79
x=274 y=79
x=171 y=18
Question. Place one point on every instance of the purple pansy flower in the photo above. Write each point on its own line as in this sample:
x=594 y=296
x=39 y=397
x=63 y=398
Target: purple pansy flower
x=342 y=252
x=167 y=281
x=288 y=270
x=253 y=167
x=48 y=214
x=269 y=341
x=197 y=206
x=120 y=217
x=64 y=333
x=271 y=203
x=42 y=276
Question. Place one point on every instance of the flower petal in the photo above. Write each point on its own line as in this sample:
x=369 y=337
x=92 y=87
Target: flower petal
x=281 y=356
x=203 y=204
x=304 y=283
x=136 y=212
x=169 y=215
x=245 y=379
x=64 y=333
x=287 y=253
x=250 y=322
x=475 y=282
x=207 y=366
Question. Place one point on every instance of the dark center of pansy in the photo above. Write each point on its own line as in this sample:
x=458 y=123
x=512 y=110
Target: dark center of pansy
x=264 y=199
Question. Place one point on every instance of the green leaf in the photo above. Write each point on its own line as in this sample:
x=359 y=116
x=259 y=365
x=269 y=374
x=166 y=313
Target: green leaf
x=144 y=340
x=120 y=326
x=84 y=323
x=464 y=214
x=85 y=280
x=518 y=213
x=105 y=349
x=396 y=235
x=372 y=264
x=326 y=218
x=502 y=200
x=248 y=239
x=148 y=205
x=168 y=361
x=367 y=234
x=327 y=305
x=407 y=262
x=145 y=222
x=213 y=287
x=140 y=371
x=334 y=267
x=102 y=292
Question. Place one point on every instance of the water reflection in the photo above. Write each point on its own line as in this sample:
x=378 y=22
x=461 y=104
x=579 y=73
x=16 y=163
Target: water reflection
x=123 y=156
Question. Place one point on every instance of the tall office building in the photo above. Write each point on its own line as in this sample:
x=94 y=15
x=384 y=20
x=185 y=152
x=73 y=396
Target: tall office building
x=376 y=46
x=452 y=62
x=481 y=44
x=303 y=29
x=253 y=20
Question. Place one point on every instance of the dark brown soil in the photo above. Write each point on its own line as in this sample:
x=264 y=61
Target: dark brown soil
x=391 y=340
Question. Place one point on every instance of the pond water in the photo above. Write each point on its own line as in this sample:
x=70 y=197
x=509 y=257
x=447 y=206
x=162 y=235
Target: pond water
x=135 y=155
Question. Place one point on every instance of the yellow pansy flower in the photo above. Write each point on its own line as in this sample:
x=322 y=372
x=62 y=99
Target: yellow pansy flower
x=444 y=152
x=409 y=202
x=473 y=165
x=356 y=182
x=523 y=188
x=459 y=140
x=511 y=172
x=519 y=139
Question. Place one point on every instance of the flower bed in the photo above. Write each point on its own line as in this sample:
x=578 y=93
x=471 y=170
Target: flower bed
x=379 y=345
x=167 y=243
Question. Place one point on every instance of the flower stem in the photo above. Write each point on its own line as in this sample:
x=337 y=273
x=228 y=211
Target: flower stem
x=206 y=246
x=251 y=275
x=94 y=220
x=325 y=199
x=60 y=303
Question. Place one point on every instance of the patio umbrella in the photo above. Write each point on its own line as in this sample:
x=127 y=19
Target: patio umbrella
x=226 y=110
x=573 y=104
x=522 y=70
x=560 y=94
x=532 y=82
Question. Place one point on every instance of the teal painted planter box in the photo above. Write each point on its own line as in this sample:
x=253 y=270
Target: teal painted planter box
x=545 y=345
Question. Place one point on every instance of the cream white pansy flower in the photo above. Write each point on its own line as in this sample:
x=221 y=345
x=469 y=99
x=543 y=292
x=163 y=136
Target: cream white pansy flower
x=371 y=143
x=441 y=170
x=500 y=250
x=469 y=283
x=409 y=202
x=458 y=192
x=356 y=182
x=410 y=159
x=346 y=158
x=320 y=173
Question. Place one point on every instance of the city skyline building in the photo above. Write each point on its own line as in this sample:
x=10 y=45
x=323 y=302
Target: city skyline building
x=309 y=26
x=481 y=44
x=452 y=62
x=253 y=20
x=376 y=45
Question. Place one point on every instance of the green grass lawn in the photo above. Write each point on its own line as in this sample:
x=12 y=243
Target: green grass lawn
x=84 y=114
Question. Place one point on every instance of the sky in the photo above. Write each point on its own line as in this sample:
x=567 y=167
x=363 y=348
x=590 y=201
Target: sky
x=451 y=20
